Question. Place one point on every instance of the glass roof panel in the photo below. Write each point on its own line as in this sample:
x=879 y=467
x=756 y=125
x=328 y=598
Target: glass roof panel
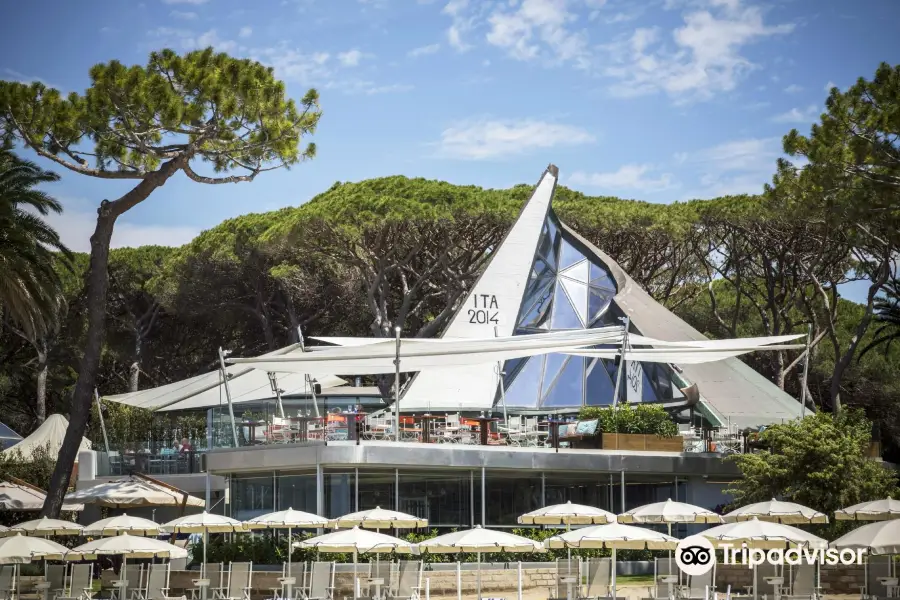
x=599 y=388
x=568 y=255
x=569 y=386
x=564 y=316
x=552 y=366
x=578 y=296
x=523 y=392
x=598 y=302
x=538 y=314
x=578 y=271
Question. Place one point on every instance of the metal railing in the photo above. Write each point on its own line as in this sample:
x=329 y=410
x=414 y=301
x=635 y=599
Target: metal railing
x=117 y=463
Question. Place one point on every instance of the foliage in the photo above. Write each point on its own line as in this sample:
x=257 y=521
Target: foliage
x=887 y=314
x=631 y=418
x=819 y=461
x=29 y=283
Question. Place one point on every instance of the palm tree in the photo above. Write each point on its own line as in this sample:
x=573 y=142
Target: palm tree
x=29 y=248
x=887 y=313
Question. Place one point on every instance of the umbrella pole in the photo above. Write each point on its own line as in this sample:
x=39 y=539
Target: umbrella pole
x=755 y=585
x=458 y=578
x=614 y=573
x=670 y=550
x=205 y=543
x=290 y=573
x=355 y=577
x=478 y=558
x=569 y=550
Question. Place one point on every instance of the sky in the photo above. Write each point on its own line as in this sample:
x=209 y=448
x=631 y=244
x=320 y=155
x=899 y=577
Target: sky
x=658 y=100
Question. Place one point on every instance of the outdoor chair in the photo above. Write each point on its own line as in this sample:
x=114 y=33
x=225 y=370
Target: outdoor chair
x=696 y=588
x=81 y=583
x=158 y=583
x=55 y=577
x=132 y=575
x=802 y=583
x=7 y=582
x=877 y=566
x=381 y=569
x=321 y=582
x=665 y=568
x=567 y=578
x=214 y=573
x=762 y=572
x=598 y=578
x=409 y=580
x=240 y=575
x=298 y=572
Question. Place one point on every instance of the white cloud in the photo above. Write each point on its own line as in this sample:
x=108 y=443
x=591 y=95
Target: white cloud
x=183 y=15
x=793 y=89
x=195 y=2
x=188 y=40
x=350 y=58
x=704 y=56
x=28 y=79
x=830 y=85
x=485 y=139
x=538 y=29
x=370 y=89
x=735 y=167
x=245 y=32
x=423 y=50
x=798 y=115
x=627 y=177
x=461 y=24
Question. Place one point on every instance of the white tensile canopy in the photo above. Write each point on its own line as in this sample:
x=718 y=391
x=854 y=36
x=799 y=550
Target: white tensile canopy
x=49 y=435
x=777 y=511
x=132 y=492
x=206 y=391
x=15 y=497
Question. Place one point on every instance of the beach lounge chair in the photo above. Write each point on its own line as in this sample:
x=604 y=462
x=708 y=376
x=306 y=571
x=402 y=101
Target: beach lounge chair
x=409 y=580
x=7 y=582
x=567 y=578
x=598 y=577
x=214 y=573
x=697 y=586
x=55 y=577
x=158 y=583
x=285 y=592
x=763 y=571
x=802 y=584
x=133 y=576
x=81 y=583
x=383 y=570
x=877 y=566
x=321 y=582
x=665 y=569
x=240 y=575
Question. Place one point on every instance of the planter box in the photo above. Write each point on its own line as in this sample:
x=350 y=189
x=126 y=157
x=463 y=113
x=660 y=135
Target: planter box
x=642 y=441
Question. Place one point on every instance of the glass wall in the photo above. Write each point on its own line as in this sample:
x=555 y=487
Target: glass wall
x=252 y=496
x=590 y=489
x=509 y=494
x=444 y=497
x=297 y=491
x=376 y=489
x=339 y=493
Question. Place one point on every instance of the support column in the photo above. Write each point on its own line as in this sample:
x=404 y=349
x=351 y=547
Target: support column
x=356 y=489
x=320 y=491
x=471 y=498
x=483 y=504
x=397 y=489
x=543 y=489
x=622 y=489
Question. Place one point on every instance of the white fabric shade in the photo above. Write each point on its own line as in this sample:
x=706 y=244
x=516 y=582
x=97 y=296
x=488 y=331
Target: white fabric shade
x=122 y=524
x=48 y=436
x=4 y=531
x=203 y=523
x=669 y=512
x=356 y=540
x=777 y=511
x=876 y=538
x=18 y=549
x=686 y=356
x=286 y=519
x=15 y=497
x=379 y=518
x=47 y=527
x=873 y=510
x=132 y=492
x=129 y=546
x=613 y=535
x=762 y=534
x=479 y=540
x=567 y=514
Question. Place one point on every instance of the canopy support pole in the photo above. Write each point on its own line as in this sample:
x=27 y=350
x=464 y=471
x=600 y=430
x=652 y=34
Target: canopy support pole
x=805 y=373
x=397 y=384
x=500 y=380
x=619 y=376
x=102 y=422
x=273 y=379
x=228 y=396
x=306 y=378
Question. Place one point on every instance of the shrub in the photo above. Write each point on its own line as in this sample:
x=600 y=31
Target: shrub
x=640 y=418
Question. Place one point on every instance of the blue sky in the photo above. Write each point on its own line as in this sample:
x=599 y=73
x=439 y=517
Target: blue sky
x=659 y=99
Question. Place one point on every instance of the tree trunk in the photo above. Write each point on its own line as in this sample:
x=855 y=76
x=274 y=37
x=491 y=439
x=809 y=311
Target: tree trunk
x=97 y=286
x=134 y=372
x=41 y=400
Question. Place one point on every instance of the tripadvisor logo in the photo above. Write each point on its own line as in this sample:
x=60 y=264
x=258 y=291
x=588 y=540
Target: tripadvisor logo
x=695 y=555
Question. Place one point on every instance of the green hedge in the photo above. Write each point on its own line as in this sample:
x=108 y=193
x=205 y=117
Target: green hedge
x=640 y=418
x=267 y=549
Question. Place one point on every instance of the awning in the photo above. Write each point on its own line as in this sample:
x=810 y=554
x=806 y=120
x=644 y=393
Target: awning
x=133 y=492
x=48 y=436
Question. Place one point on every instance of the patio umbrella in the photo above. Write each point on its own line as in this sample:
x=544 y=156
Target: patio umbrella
x=126 y=546
x=289 y=519
x=873 y=510
x=614 y=536
x=45 y=527
x=18 y=549
x=874 y=538
x=761 y=534
x=21 y=498
x=669 y=512
x=567 y=514
x=204 y=523
x=122 y=524
x=479 y=540
x=4 y=531
x=133 y=492
x=777 y=511
x=357 y=541
x=379 y=518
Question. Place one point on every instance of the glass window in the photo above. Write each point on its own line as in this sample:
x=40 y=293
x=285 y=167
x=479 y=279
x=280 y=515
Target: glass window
x=568 y=389
x=599 y=388
x=564 y=316
x=523 y=392
x=339 y=493
x=509 y=494
x=598 y=302
x=568 y=255
x=252 y=496
x=578 y=271
x=297 y=492
x=537 y=315
x=553 y=363
x=591 y=489
x=441 y=496
x=578 y=296
x=376 y=489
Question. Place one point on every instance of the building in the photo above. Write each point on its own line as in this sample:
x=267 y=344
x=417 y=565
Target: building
x=542 y=277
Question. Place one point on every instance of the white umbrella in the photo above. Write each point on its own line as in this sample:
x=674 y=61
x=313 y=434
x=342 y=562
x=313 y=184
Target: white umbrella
x=669 y=512
x=123 y=524
x=45 y=527
x=567 y=514
x=18 y=548
x=16 y=497
x=873 y=510
x=4 y=531
x=614 y=536
x=761 y=534
x=289 y=519
x=777 y=511
x=379 y=518
x=126 y=546
x=132 y=492
x=357 y=541
x=874 y=538
x=204 y=523
x=479 y=540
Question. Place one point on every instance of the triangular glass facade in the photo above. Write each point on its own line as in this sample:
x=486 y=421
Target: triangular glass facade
x=567 y=289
